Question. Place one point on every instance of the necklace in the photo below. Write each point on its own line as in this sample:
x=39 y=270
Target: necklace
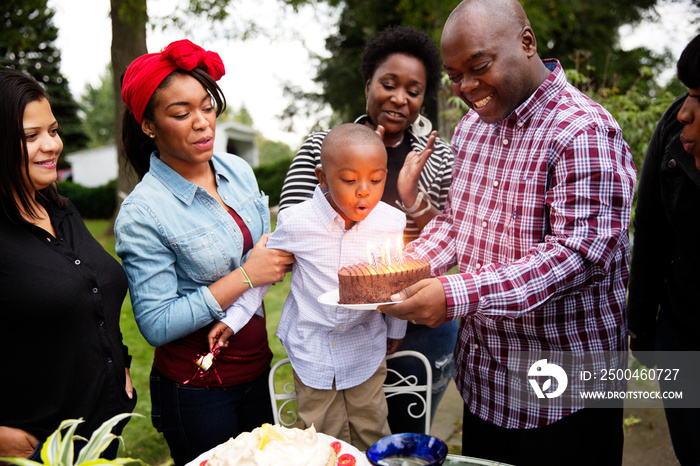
x=399 y=142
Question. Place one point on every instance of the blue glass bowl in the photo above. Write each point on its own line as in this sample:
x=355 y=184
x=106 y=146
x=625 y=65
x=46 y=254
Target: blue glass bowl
x=431 y=450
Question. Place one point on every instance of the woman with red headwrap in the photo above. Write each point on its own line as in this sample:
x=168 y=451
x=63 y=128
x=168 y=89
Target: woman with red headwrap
x=184 y=235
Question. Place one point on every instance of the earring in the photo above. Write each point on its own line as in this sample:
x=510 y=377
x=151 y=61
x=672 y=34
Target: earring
x=152 y=135
x=421 y=127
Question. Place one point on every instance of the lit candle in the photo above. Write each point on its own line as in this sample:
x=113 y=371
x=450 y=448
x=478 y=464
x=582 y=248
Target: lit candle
x=399 y=249
x=371 y=259
x=386 y=253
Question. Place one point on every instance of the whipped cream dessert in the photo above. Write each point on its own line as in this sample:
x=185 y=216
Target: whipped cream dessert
x=270 y=445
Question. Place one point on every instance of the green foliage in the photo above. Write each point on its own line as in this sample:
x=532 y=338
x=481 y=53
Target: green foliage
x=583 y=35
x=98 y=108
x=271 y=178
x=141 y=440
x=131 y=12
x=243 y=116
x=58 y=450
x=99 y=202
x=273 y=151
x=27 y=39
x=637 y=112
x=187 y=16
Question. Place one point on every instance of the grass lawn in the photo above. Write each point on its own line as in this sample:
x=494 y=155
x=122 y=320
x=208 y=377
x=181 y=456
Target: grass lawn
x=141 y=440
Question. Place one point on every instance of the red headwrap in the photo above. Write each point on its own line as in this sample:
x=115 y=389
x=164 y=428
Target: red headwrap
x=145 y=74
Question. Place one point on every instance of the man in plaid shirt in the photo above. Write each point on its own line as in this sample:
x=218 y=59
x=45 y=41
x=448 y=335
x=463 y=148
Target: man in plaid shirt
x=537 y=221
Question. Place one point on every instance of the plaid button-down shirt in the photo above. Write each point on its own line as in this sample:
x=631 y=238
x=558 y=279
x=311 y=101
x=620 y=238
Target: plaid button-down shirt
x=537 y=221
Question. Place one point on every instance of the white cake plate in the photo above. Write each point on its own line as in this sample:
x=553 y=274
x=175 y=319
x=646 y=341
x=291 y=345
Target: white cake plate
x=331 y=298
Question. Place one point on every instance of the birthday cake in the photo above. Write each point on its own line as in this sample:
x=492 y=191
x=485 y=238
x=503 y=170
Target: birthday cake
x=272 y=445
x=375 y=283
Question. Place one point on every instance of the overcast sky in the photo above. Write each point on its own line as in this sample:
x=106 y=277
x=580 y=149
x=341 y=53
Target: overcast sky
x=256 y=69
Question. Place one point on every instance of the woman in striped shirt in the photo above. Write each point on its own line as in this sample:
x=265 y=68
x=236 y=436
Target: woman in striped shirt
x=400 y=66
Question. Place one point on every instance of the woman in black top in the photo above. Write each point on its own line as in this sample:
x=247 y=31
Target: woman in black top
x=61 y=349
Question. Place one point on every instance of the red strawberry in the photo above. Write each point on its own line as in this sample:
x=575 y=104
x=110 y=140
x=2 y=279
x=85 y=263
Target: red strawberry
x=203 y=463
x=336 y=446
x=346 y=459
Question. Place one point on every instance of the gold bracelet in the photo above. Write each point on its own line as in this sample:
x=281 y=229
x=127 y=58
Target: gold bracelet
x=247 y=279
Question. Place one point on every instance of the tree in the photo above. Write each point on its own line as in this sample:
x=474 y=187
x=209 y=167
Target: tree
x=583 y=35
x=27 y=39
x=129 y=19
x=98 y=109
x=273 y=151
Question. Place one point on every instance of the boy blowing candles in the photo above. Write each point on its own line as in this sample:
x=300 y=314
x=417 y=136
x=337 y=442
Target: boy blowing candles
x=337 y=354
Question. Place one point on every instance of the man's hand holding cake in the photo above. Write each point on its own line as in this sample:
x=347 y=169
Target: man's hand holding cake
x=421 y=303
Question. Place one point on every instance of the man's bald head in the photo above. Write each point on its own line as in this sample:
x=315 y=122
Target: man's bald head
x=501 y=13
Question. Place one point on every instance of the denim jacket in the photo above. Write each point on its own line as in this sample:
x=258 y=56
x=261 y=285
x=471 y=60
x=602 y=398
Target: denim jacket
x=175 y=240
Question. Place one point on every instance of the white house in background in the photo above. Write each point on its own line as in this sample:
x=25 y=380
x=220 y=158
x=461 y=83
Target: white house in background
x=239 y=139
x=94 y=167
x=98 y=166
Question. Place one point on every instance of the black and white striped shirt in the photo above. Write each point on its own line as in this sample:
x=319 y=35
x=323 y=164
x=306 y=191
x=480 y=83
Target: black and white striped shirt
x=435 y=178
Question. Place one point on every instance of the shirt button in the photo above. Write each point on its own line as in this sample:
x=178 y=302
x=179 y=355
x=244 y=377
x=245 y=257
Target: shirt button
x=672 y=163
x=340 y=327
x=475 y=346
x=226 y=197
x=520 y=124
x=109 y=360
x=478 y=266
x=484 y=224
x=101 y=323
x=333 y=343
x=248 y=219
x=495 y=184
x=94 y=290
x=77 y=262
x=505 y=142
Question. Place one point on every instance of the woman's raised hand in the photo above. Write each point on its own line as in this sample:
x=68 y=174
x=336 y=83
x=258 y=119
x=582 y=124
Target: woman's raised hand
x=407 y=183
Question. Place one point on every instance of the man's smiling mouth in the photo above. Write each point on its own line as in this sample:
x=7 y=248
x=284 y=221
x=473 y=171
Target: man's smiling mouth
x=479 y=104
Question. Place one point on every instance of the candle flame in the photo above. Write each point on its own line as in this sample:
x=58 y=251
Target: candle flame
x=399 y=249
